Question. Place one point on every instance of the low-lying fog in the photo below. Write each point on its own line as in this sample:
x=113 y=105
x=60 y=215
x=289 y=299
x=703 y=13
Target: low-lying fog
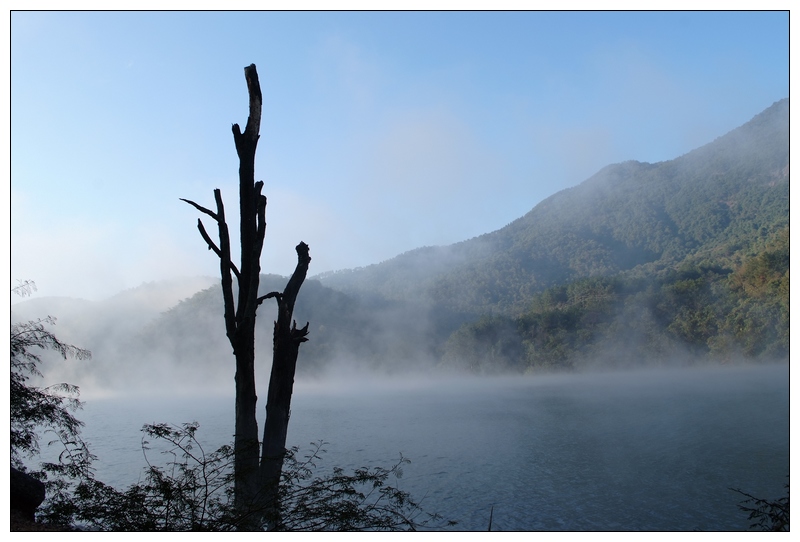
x=168 y=339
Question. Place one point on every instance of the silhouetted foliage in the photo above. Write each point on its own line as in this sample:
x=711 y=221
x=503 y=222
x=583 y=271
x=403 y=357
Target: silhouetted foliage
x=768 y=515
x=35 y=409
x=194 y=491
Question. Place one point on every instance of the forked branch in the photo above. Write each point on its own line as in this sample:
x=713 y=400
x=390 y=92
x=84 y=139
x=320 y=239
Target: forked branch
x=221 y=223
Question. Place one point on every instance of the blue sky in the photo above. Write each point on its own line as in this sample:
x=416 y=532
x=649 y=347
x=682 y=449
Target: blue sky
x=382 y=132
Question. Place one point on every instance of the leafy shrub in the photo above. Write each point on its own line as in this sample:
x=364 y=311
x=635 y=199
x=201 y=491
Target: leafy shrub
x=194 y=492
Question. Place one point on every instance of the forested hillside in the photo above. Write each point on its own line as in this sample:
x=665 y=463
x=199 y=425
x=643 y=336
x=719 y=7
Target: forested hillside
x=686 y=259
x=710 y=202
x=694 y=313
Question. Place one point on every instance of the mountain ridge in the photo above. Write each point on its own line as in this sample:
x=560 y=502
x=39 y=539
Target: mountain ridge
x=606 y=232
x=638 y=262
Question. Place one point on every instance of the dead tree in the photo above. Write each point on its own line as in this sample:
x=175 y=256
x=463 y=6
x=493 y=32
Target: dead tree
x=255 y=478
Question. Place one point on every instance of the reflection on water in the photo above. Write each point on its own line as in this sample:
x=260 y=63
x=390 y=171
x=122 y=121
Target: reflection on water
x=653 y=450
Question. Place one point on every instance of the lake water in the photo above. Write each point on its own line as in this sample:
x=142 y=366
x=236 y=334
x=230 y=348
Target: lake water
x=653 y=450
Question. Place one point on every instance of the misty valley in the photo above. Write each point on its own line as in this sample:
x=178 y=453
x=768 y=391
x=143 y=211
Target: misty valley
x=616 y=359
x=670 y=264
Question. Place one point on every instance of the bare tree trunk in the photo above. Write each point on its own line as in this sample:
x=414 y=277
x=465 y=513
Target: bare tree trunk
x=286 y=342
x=255 y=484
x=252 y=213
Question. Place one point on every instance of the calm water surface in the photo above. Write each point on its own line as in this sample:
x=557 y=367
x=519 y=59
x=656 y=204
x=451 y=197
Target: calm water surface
x=653 y=450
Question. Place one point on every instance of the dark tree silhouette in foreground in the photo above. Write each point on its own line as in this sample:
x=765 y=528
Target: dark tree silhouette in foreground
x=34 y=409
x=256 y=478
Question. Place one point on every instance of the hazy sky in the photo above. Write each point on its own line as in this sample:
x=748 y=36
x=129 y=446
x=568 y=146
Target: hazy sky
x=381 y=132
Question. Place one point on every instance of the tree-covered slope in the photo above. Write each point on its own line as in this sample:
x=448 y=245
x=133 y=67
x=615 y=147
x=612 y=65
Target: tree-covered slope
x=693 y=313
x=345 y=332
x=712 y=201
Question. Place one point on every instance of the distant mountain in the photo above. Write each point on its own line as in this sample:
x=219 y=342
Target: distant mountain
x=629 y=217
x=106 y=327
x=136 y=345
x=641 y=263
x=645 y=232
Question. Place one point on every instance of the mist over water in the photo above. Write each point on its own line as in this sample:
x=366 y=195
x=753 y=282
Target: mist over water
x=646 y=450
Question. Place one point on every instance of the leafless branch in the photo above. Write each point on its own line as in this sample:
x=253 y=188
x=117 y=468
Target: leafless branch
x=202 y=209
x=212 y=246
x=276 y=295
